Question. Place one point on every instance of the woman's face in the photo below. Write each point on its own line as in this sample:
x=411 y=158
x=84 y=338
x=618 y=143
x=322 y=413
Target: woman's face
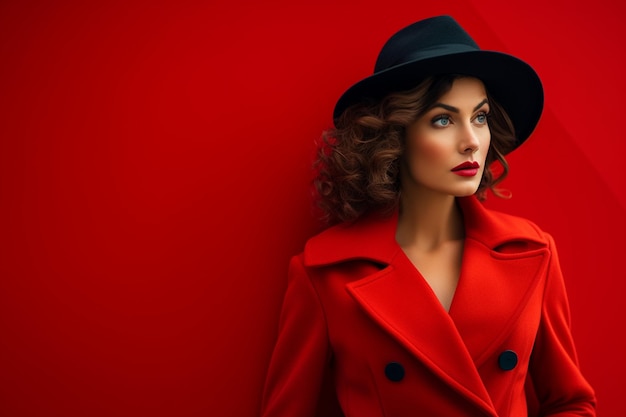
x=447 y=146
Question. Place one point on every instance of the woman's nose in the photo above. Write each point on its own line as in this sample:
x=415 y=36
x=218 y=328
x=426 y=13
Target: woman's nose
x=468 y=140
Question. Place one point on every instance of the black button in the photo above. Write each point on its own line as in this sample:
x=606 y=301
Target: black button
x=394 y=371
x=507 y=360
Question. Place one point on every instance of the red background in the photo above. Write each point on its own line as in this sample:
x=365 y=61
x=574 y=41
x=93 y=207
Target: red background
x=155 y=160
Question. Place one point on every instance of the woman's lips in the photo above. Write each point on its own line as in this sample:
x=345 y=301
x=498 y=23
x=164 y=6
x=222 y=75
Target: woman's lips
x=466 y=169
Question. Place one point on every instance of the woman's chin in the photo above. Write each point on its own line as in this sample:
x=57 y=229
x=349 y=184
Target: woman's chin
x=466 y=191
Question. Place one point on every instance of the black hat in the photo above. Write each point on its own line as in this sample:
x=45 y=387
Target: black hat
x=439 y=45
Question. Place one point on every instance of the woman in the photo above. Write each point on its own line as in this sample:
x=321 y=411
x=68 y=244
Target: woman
x=419 y=301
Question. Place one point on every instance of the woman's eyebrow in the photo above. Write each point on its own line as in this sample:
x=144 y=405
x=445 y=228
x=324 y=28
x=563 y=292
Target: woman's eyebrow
x=456 y=110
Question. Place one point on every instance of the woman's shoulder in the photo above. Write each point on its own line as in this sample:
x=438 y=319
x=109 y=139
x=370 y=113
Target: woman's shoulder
x=512 y=221
x=495 y=227
x=370 y=237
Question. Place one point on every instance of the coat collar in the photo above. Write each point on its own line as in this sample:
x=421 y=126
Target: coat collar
x=373 y=237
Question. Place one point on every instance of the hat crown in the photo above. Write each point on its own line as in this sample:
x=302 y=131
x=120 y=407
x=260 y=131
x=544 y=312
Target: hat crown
x=427 y=38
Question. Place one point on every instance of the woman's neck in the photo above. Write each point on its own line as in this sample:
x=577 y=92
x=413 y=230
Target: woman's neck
x=427 y=220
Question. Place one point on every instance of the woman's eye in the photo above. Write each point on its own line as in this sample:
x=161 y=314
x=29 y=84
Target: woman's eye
x=441 y=121
x=481 y=118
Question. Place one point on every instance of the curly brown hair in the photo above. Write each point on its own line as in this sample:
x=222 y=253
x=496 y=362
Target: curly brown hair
x=357 y=165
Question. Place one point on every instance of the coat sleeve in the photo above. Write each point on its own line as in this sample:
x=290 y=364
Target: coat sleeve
x=560 y=388
x=301 y=355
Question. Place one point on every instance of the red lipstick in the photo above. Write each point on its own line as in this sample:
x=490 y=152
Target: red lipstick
x=466 y=169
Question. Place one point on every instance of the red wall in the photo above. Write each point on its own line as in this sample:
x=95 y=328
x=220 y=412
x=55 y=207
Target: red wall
x=154 y=168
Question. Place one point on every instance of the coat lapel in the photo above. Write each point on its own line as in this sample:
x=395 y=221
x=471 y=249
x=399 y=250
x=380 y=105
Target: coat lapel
x=504 y=259
x=403 y=304
x=492 y=292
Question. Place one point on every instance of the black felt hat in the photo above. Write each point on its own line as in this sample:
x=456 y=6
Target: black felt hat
x=439 y=45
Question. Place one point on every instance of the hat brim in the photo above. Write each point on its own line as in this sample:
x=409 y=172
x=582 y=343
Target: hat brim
x=512 y=82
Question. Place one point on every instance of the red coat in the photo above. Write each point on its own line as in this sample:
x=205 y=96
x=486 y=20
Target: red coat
x=358 y=313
